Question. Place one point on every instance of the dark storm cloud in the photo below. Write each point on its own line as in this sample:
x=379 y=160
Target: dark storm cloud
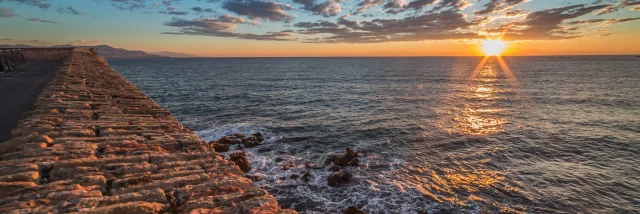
x=256 y=9
x=442 y=25
x=546 y=24
x=43 y=4
x=42 y=20
x=69 y=10
x=7 y=13
x=498 y=6
x=222 y=26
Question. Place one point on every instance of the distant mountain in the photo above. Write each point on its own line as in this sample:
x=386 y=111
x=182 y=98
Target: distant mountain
x=108 y=51
x=111 y=52
x=18 y=46
x=173 y=54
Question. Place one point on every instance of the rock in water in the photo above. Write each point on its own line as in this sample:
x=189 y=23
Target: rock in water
x=286 y=167
x=349 y=159
x=240 y=158
x=306 y=176
x=250 y=142
x=229 y=140
x=218 y=147
x=258 y=136
x=353 y=210
x=254 y=178
x=338 y=178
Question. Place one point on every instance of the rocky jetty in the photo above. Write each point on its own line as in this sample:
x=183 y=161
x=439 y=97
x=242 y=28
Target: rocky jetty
x=95 y=143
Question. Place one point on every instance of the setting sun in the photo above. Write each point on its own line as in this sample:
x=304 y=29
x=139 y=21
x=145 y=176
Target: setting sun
x=493 y=47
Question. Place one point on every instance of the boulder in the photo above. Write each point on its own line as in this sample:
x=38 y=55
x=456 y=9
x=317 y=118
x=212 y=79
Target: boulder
x=353 y=210
x=349 y=159
x=258 y=136
x=286 y=167
x=240 y=158
x=338 y=178
x=250 y=142
x=306 y=176
x=220 y=147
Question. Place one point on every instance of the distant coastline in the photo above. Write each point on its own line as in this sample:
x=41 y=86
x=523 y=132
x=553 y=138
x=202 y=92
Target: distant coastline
x=109 y=52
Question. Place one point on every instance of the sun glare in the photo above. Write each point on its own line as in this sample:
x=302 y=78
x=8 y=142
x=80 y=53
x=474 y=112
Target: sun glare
x=493 y=47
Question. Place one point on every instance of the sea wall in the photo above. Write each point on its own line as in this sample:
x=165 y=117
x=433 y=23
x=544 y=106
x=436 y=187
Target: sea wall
x=96 y=143
x=53 y=54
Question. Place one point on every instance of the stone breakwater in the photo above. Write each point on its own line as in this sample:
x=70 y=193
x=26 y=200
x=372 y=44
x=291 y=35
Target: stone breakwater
x=96 y=143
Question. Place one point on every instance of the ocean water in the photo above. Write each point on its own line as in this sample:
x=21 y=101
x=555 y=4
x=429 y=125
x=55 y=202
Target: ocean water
x=438 y=134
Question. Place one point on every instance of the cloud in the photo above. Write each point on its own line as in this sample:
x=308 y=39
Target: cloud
x=256 y=9
x=222 y=26
x=366 y=4
x=394 y=6
x=83 y=43
x=174 y=12
x=498 y=6
x=546 y=24
x=327 y=8
x=7 y=13
x=70 y=10
x=441 y=25
x=202 y=10
x=42 y=4
x=452 y=4
x=128 y=4
x=42 y=20
x=605 y=21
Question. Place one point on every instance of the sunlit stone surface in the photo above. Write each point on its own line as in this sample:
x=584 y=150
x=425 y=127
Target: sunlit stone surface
x=96 y=143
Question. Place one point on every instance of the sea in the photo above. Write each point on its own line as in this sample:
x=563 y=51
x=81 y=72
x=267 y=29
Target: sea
x=436 y=134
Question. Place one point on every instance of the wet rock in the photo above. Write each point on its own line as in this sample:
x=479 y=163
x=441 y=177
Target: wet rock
x=353 y=210
x=238 y=135
x=306 y=176
x=229 y=140
x=286 y=167
x=240 y=158
x=294 y=176
x=250 y=142
x=279 y=159
x=218 y=147
x=338 y=178
x=264 y=150
x=349 y=159
x=312 y=166
x=254 y=178
x=335 y=168
x=258 y=136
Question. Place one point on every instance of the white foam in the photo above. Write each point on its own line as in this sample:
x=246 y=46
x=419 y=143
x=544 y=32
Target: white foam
x=376 y=190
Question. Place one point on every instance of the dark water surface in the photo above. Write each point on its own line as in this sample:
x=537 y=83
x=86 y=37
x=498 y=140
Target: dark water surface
x=548 y=135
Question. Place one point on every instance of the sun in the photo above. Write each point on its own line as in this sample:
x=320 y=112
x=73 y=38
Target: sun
x=493 y=47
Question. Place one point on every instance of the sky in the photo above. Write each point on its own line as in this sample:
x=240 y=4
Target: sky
x=273 y=28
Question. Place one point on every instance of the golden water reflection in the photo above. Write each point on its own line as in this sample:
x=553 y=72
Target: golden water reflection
x=479 y=113
x=477 y=106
